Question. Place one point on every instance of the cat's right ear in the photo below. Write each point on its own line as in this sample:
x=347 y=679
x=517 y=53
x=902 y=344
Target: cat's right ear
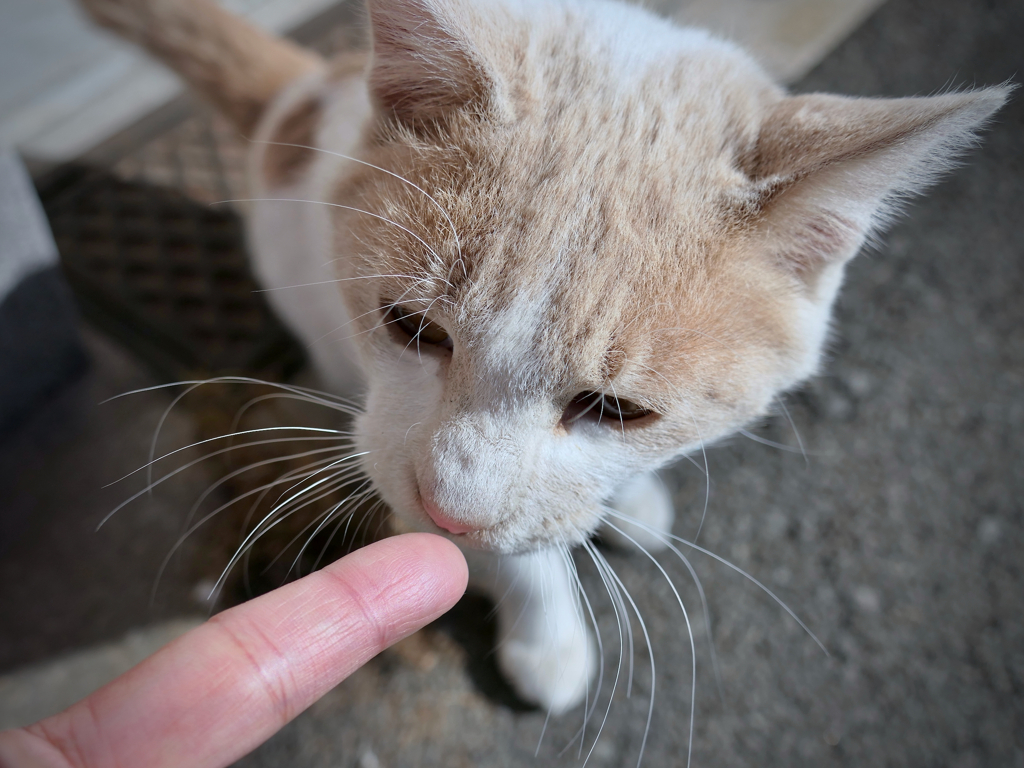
x=424 y=64
x=828 y=171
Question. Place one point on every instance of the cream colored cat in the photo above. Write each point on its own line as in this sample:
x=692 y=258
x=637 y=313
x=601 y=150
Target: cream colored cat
x=558 y=245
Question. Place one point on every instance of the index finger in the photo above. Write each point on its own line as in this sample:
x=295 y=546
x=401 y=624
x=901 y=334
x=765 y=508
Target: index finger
x=218 y=692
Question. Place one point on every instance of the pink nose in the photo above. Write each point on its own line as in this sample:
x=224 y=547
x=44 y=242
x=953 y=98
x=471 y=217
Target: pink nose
x=441 y=520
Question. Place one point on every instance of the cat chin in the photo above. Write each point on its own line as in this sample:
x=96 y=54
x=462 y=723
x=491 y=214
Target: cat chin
x=494 y=541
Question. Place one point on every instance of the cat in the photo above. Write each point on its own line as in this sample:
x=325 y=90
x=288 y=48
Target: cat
x=556 y=245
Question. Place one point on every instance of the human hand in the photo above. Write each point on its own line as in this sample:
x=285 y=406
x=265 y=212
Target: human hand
x=224 y=688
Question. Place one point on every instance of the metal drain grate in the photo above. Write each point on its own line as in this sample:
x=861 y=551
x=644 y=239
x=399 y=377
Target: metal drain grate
x=158 y=268
x=166 y=276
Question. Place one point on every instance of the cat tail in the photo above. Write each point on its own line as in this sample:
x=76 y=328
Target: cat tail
x=233 y=64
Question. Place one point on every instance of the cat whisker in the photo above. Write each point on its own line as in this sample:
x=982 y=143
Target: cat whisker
x=313 y=396
x=274 y=518
x=322 y=398
x=672 y=386
x=623 y=623
x=272 y=396
x=334 y=514
x=339 y=509
x=796 y=432
x=190 y=529
x=304 y=477
x=334 y=450
x=365 y=522
x=508 y=591
x=203 y=458
x=386 y=220
x=383 y=518
x=303 y=499
x=689 y=629
x=159 y=428
x=598 y=398
x=336 y=436
x=310 y=396
x=384 y=322
x=416 y=338
x=650 y=650
x=670 y=536
x=405 y=439
x=346 y=518
x=323 y=488
x=770 y=443
x=622 y=423
x=707 y=478
x=343 y=517
x=335 y=280
x=589 y=704
x=303 y=473
x=550 y=636
x=370 y=312
x=610 y=512
x=440 y=208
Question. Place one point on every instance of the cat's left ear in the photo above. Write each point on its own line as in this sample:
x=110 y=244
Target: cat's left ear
x=827 y=171
x=428 y=60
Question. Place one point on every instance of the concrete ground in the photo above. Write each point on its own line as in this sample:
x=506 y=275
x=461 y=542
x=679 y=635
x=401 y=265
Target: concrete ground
x=900 y=540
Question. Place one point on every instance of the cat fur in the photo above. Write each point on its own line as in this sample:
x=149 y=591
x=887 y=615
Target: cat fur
x=587 y=198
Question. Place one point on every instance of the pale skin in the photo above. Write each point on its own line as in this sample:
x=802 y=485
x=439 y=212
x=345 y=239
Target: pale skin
x=223 y=689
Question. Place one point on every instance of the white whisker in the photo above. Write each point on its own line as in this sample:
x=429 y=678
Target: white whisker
x=796 y=432
x=404 y=293
x=317 y=397
x=590 y=705
x=203 y=458
x=357 y=495
x=190 y=529
x=770 y=443
x=408 y=231
x=272 y=519
x=689 y=629
x=609 y=588
x=451 y=224
x=650 y=650
x=707 y=479
x=736 y=568
x=255 y=465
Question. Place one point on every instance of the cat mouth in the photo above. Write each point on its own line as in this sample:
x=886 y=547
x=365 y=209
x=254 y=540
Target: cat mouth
x=440 y=519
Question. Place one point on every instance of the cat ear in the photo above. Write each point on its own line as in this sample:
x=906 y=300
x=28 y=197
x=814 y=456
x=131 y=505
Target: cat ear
x=423 y=63
x=829 y=170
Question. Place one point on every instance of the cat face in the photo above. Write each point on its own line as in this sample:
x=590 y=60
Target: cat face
x=602 y=242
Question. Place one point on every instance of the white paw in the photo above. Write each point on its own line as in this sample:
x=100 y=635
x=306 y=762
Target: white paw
x=647 y=504
x=555 y=675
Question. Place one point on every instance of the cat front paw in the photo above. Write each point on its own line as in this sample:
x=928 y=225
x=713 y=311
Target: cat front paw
x=646 y=514
x=554 y=674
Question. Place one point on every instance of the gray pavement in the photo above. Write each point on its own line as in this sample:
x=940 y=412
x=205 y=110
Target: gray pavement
x=899 y=541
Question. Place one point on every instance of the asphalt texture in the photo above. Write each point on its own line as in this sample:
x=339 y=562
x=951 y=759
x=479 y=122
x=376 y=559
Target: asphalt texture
x=898 y=540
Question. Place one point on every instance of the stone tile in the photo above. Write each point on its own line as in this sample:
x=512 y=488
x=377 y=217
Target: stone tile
x=30 y=694
x=788 y=37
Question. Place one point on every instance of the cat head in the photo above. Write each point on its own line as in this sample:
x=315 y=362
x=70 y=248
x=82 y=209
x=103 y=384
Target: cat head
x=602 y=242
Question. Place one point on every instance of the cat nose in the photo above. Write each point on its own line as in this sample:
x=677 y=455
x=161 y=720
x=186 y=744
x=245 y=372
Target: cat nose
x=443 y=521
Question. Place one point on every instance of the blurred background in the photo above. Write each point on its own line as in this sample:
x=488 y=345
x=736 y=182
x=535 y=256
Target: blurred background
x=884 y=505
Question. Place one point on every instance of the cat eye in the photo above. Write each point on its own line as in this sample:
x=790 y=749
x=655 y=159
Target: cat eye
x=600 y=406
x=418 y=328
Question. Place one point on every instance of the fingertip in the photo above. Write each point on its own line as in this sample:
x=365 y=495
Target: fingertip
x=437 y=559
x=422 y=575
